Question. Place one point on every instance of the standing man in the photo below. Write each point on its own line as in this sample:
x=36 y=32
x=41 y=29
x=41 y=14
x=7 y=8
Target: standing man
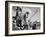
x=18 y=17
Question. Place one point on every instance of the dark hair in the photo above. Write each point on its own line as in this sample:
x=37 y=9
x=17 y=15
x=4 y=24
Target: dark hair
x=27 y=12
x=18 y=8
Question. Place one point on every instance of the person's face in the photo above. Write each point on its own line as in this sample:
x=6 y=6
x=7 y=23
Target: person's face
x=19 y=13
x=26 y=15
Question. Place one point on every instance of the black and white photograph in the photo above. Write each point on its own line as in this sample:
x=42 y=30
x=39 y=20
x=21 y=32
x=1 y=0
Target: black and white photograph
x=24 y=18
